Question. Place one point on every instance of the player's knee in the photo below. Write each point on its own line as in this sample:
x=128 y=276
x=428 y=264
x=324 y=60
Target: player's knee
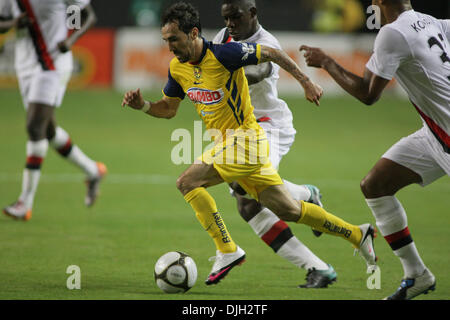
x=374 y=186
x=368 y=186
x=248 y=208
x=181 y=185
x=184 y=184
x=237 y=188
x=36 y=131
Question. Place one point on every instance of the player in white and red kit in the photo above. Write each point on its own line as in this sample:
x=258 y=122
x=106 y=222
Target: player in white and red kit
x=43 y=63
x=275 y=117
x=415 y=49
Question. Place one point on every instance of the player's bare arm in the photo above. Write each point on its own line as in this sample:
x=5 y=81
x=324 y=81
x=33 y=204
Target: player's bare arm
x=19 y=22
x=313 y=92
x=88 y=20
x=255 y=74
x=165 y=108
x=367 y=89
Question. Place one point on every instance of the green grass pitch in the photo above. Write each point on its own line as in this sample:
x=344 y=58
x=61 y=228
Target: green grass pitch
x=141 y=215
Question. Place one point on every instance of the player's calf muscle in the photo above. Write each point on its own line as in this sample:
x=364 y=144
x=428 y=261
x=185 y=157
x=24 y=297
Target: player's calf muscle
x=248 y=208
x=281 y=205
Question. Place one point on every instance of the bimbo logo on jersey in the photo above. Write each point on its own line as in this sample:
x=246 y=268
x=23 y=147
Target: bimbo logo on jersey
x=204 y=96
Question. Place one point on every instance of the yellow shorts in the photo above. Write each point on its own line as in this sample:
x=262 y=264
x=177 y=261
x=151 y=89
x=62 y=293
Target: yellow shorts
x=244 y=157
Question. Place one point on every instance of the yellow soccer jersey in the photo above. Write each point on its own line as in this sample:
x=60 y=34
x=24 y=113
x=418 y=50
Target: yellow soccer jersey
x=217 y=85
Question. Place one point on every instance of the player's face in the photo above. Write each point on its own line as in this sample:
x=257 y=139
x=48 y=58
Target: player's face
x=180 y=43
x=239 y=22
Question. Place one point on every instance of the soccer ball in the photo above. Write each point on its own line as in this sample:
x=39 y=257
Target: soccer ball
x=175 y=272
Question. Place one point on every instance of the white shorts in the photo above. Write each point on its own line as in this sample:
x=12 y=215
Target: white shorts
x=45 y=87
x=280 y=142
x=421 y=153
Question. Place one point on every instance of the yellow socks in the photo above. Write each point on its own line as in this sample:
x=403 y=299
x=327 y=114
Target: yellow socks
x=206 y=212
x=312 y=215
x=316 y=217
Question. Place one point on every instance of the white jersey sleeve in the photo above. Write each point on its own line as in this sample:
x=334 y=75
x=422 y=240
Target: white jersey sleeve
x=390 y=50
x=219 y=36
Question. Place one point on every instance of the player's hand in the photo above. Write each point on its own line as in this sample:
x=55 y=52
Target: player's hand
x=314 y=57
x=64 y=46
x=313 y=92
x=133 y=99
x=22 y=21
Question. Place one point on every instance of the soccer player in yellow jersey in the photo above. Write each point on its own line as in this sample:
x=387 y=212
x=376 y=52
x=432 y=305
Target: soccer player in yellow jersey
x=213 y=78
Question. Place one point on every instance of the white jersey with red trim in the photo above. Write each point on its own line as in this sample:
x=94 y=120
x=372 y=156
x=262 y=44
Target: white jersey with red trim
x=36 y=47
x=415 y=49
x=264 y=94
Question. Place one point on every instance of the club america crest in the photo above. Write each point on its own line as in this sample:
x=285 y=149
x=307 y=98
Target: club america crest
x=198 y=75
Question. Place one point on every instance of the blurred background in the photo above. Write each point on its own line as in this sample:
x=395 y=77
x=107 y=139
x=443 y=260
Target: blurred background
x=290 y=15
x=124 y=50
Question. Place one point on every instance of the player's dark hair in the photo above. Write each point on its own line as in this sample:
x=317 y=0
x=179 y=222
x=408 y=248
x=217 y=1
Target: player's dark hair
x=184 y=14
x=401 y=1
x=245 y=3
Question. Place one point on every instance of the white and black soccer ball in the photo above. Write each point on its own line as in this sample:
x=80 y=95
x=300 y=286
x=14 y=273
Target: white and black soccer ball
x=175 y=272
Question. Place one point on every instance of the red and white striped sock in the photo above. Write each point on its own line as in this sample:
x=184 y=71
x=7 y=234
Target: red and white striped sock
x=393 y=224
x=277 y=235
x=36 y=152
x=63 y=145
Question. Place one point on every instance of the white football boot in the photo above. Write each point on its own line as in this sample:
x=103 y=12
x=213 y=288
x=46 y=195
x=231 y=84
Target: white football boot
x=412 y=287
x=18 y=211
x=93 y=185
x=223 y=263
x=316 y=196
x=366 y=247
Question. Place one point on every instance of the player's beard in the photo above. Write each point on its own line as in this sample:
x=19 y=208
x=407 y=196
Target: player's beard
x=186 y=56
x=183 y=57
